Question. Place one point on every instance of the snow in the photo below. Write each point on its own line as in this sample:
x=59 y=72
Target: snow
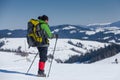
x=99 y=24
x=90 y=32
x=84 y=37
x=14 y=67
x=63 y=47
x=69 y=27
x=56 y=30
x=112 y=41
x=114 y=30
x=73 y=31
x=15 y=43
x=110 y=60
x=9 y=33
x=106 y=30
x=106 y=37
x=100 y=30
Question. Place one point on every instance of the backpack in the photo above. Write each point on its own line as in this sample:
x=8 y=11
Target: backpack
x=34 y=33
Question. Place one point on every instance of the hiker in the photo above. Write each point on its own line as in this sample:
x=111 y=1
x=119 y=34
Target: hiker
x=44 y=48
x=116 y=61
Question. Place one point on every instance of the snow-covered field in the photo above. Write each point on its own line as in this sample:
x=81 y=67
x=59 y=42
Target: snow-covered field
x=14 y=67
x=63 y=48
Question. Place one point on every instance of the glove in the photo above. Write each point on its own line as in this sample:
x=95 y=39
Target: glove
x=55 y=35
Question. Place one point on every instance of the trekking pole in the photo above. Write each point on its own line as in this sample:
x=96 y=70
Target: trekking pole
x=52 y=58
x=32 y=63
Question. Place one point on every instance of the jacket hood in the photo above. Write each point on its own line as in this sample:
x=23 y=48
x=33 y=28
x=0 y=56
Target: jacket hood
x=43 y=22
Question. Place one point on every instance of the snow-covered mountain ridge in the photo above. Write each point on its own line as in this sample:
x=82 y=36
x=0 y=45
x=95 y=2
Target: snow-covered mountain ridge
x=103 y=33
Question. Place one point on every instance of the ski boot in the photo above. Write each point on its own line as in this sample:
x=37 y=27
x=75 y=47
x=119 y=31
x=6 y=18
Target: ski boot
x=41 y=74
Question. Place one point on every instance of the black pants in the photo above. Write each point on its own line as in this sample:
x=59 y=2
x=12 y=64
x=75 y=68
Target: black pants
x=43 y=53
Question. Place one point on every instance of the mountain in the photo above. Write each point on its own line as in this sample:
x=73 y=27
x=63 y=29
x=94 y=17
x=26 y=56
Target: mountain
x=98 y=25
x=70 y=31
x=115 y=24
x=101 y=32
x=107 y=32
x=12 y=33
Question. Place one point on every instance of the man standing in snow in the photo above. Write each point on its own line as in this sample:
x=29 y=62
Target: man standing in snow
x=44 y=48
x=116 y=61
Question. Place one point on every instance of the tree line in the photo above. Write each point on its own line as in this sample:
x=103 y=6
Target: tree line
x=95 y=55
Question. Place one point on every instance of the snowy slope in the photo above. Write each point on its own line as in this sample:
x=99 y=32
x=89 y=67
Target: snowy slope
x=14 y=67
x=110 y=60
x=63 y=49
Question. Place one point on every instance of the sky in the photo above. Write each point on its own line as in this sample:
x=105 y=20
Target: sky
x=14 y=14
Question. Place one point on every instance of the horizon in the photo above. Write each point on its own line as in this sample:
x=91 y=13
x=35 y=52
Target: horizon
x=66 y=24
